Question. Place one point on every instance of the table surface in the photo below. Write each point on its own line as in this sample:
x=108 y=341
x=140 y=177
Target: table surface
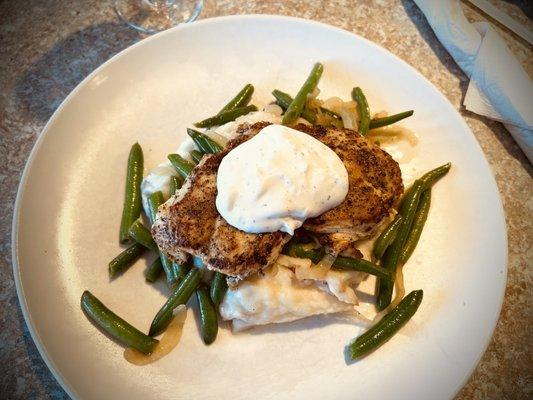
x=48 y=47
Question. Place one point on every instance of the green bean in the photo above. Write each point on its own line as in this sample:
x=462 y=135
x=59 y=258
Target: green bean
x=180 y=270
x=359 y=264
x=125 y=259
x=429 y=179
x=226 y=116
x=154 y=201
x=196 y=156
x=132 y=199
x=115 y=326
x=301 y=250
x=297 y=105
x=330 y=113
x=142 y=235
x=284 y=100
x=387 y=327
x=391 y=257
x=169 y=270
x=180 y=295
x=181 y=165
x=240 y=100
x=193 y=162
x=362 y=109
x=341 y=262
x=419 y=221
x=336 y=118
x=407 y=209
x=389 y=120
x=208 y=315
x=153 y=272
x=218 y=288
x=433 y=176
x=386 y=237
x=174 y=184
x=204 y=142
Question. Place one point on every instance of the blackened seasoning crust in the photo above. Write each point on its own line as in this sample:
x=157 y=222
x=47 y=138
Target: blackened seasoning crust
x=189 y=221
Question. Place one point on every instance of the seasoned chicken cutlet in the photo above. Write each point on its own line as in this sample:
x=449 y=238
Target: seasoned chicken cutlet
x=375 y=184
x=190 y=222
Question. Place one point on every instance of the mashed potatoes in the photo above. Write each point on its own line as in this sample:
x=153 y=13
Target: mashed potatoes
x=292 y=289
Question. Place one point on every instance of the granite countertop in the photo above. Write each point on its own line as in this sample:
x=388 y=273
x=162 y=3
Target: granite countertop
x=48 y=47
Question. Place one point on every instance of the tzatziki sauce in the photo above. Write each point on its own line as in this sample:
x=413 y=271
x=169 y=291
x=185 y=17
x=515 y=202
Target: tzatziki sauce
x=278 y=179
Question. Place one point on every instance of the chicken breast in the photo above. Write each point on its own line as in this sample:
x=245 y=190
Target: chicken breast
x=375 y=184
x=343 y=244
x=189 y=221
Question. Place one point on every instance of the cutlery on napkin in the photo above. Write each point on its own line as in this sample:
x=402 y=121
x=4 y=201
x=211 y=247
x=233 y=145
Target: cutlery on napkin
x=499 y=88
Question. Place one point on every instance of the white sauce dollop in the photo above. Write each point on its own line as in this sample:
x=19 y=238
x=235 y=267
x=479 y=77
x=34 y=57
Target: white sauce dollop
x=278 y=179
x=291 y=289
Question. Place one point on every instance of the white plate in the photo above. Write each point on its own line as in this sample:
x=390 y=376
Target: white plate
x=69 y=205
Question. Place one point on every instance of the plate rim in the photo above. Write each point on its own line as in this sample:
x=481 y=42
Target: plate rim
x=213 y=20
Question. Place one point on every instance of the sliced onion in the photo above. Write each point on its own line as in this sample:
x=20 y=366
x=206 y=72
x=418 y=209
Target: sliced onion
x=399 y=142
x=313 y=104
x=380 y=114
x=327 y=261
x=346 y=109
x=333 y=103
x=303 y=121
x=348 y=120
x=313 y=273
x=314 y=94
x=361 y=319
x=223 y=141
x=399 y=285
x=273 y=108
x=293 y=262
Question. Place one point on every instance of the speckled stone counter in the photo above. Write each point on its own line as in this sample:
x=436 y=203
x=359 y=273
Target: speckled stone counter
x=48 y=47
